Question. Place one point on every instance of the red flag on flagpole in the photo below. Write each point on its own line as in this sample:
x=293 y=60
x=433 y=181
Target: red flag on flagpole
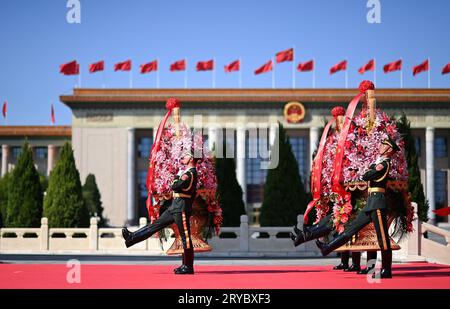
x=70 y=68
x=446 y=69
x=306 y=66
x=393 y=66
x=369 y=66
x=96 y=67
x=233 y=66
x=267 y=67
x=52 y=115
x=205 y=65
x=341 y=66
x=149 y=67
x=4 y=109
x=123 y=66
x=179 y=65
x=285 y=55
x=423 y=67
x=443 y=212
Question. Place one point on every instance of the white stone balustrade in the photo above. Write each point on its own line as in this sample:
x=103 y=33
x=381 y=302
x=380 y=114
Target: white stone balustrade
x=232 y=241
x=94 y=240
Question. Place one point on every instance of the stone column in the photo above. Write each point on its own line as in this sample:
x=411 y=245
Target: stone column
x=5 y=159
x=240 y=160
x=212 y=139
x=313 y=141
x=273 y=133
x=131 y=178
x=51 y=158
x=429 y=138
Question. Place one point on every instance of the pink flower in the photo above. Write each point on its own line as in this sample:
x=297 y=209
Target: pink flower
x=340 y=229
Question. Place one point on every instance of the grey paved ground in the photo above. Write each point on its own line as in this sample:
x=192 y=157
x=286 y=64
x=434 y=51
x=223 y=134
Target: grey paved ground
x=160 y=260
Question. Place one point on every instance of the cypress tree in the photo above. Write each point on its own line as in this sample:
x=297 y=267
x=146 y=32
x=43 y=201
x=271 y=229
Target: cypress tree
x=4 y=191
x=284 y=193
x=229 y=191
x=24 y=206
x=92 y=199
x=63 y=204
x=415 y=186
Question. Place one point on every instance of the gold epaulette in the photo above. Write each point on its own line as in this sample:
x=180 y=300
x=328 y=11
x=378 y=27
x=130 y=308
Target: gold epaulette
x=175 y=195
x=373 y=190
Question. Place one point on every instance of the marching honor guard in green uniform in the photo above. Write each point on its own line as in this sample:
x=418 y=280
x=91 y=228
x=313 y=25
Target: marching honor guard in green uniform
x=184 y=188
x=375 y=211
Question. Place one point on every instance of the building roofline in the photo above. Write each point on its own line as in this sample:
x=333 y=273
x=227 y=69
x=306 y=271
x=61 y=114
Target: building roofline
x=41 y=131
x=326 y=95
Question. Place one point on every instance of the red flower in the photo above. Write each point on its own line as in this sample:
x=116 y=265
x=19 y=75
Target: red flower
x=172 y=103
x=390 y=130
x=366 y=85
x=360 y=149
x=352 y=127
x=364 y=112
x=348 y=144
x=338 y=111
x=361 y=131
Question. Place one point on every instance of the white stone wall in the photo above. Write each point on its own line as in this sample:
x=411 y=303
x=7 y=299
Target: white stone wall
x=103 y=152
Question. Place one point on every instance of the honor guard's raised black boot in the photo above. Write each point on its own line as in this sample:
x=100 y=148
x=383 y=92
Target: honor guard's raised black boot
x=310 y=233
x=132 y=238
x=188 y=267
x=332 y=245
x=386 y=265
x=294 y=236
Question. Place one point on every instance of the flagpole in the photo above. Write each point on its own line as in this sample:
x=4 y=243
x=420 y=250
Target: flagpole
x=5 y=104
x=131 y=80
x=374 y=71
x=103 y=79
x=346 y=79
x=214 y=73
x=314 y=73
x=429 y=74
x=157 y=73
x=273 y=73
x=185 y=74
x=293 y=67
x=51 y=122
x=401 y=74
x=240 y=74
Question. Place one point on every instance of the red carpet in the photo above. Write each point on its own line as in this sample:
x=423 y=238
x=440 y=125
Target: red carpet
x=45 y=276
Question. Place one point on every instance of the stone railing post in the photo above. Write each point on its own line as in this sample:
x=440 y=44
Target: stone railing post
x=142 y=223
x=244 y=234
x=414 y=240
x=44 y=235
x=93 y=234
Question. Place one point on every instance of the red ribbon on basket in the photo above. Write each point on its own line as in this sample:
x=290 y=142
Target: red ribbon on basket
x=316 y=174
x=170 y=105
x=336 y=186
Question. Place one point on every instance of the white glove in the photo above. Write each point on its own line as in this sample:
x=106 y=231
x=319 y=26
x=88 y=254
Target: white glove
x=180 y=172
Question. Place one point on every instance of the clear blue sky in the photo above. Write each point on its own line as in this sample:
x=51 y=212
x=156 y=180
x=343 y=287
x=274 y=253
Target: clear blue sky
x=35 y=39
